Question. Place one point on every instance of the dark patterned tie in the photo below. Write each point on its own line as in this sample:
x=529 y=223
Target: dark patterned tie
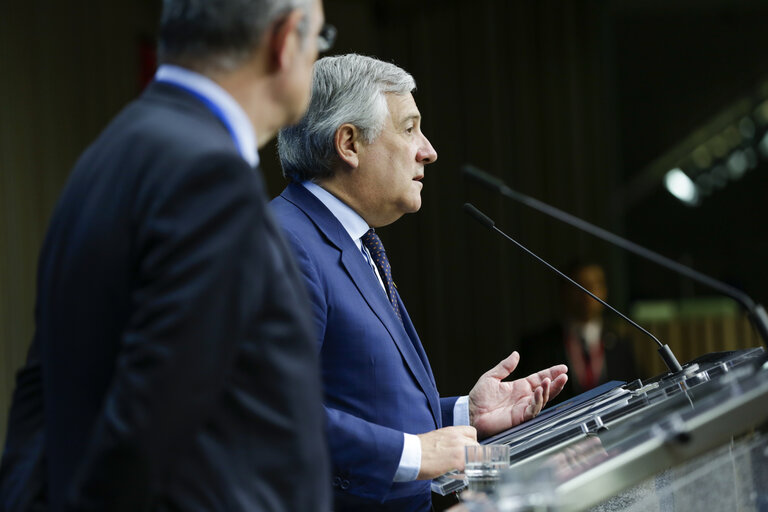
x=373 y=244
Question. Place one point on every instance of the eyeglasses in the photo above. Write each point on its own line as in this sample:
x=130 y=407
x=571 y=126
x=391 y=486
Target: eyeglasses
x=326 y=38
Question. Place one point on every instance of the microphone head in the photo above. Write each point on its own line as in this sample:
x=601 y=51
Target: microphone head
x=479 y=216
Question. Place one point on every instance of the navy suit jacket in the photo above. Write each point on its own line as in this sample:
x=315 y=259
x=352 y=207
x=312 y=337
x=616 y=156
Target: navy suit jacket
x=377 y=380
x=179 y=370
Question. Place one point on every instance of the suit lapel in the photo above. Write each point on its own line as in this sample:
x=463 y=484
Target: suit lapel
x=403 y=334
x=411 y=330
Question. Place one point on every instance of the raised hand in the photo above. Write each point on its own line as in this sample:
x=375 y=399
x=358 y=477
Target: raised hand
x=495 y=405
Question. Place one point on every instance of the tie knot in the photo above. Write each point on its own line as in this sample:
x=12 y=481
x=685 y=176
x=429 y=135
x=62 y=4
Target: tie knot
x=372 y=241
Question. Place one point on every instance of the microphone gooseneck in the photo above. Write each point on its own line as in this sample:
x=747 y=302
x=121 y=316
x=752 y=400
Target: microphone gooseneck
x=666 y=353
x=479 y=216
x=756 y=311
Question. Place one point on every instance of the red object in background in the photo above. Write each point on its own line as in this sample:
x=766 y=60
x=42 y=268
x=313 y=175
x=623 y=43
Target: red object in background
x=147 y=61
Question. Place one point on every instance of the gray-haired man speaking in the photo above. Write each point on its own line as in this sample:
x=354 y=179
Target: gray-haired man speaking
x=356 y=161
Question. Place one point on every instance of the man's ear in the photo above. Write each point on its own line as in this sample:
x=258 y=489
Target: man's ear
x=347 y=143
x=283 y=40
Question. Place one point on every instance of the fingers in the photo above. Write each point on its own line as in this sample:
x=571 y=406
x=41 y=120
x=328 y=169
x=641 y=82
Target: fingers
x=546 y=387
x=557 y=385
x=538 y=399
x=551 y=373
x=465 y=431
x=442 y=450
x=535 y=405
x=504 y=368
x=556 y=371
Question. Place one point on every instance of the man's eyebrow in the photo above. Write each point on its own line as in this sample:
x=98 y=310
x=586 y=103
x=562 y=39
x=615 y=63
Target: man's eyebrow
x=414 y=116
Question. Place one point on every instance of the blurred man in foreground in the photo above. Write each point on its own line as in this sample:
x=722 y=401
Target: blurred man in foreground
x=176 y=361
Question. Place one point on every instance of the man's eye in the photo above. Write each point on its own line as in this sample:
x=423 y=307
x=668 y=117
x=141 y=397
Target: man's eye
x=409 y=129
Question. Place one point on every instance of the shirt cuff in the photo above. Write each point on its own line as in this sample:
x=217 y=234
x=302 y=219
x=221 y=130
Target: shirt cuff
x=410 y=460
x=461 y=411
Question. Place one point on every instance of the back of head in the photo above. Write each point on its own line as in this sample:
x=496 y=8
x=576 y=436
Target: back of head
x=345 y=89
x=216 y=35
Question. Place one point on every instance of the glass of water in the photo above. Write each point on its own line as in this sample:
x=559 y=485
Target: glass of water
x=484 y=464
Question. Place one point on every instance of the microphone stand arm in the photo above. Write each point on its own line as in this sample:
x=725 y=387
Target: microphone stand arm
x=664 y=351
x=756 y=312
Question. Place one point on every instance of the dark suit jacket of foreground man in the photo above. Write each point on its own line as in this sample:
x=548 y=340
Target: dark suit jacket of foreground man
x=378 y=381
x=186 y=375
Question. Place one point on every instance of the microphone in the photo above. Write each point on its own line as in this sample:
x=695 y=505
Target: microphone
x=756 y=312
x=666 y=353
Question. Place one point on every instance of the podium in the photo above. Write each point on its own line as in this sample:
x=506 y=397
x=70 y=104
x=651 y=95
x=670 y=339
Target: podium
x=667 y=443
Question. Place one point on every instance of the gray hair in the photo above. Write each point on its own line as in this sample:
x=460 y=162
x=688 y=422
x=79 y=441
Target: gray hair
x=218 y=35
x=345 y=89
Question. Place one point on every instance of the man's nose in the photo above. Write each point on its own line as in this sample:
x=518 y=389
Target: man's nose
x=427 y=153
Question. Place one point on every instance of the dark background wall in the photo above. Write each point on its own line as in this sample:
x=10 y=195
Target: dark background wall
x=567 y=101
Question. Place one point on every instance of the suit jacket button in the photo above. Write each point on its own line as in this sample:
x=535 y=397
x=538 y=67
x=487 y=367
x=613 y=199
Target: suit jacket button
x=337 y=481
x=345 y=484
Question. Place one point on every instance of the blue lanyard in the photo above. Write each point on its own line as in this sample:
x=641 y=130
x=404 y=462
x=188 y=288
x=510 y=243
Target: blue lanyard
x=214 y=109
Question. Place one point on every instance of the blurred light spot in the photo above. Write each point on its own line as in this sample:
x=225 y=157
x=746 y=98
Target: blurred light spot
x=681 y=186
x=763 y=147
x=761 y=112
x=751 y=156
x=732 y=136
x=718 y=146
x=719 y=176
x=704 y=184
x=701 y=157
x=737 y=164
x=747 y=128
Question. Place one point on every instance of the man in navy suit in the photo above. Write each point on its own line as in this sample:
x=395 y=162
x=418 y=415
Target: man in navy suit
x=356 y=161
x=173 y=365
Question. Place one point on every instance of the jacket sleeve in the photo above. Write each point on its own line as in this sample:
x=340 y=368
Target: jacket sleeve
x=446 y=410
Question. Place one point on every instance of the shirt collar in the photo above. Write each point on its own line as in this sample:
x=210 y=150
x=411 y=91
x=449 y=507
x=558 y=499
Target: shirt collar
x=353 y=223
x=590 y=331
x=235 y=115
